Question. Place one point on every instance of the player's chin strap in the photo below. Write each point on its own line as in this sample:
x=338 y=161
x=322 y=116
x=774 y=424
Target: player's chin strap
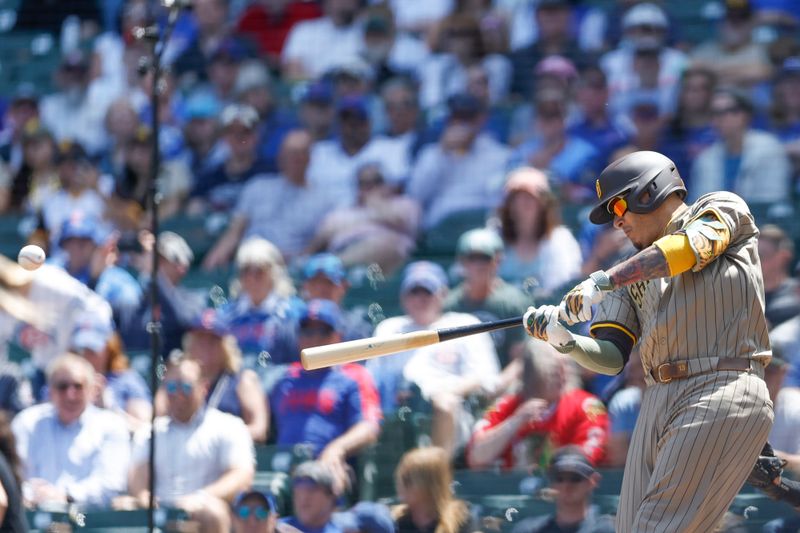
x=767 y=469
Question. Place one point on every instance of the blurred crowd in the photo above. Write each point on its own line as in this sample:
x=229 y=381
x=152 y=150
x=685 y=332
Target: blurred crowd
x=312 y=140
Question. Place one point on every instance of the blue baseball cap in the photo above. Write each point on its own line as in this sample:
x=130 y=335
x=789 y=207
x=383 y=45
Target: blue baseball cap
x=571 y=459
x=268 y=499
x=365 y=517
x=425 y=274
x=318 y=93
x=328 y=264
x=79 y=226
x=202 y=104
x=210 y=321
x=325 y=311
x=356 y=105
x=92 y=332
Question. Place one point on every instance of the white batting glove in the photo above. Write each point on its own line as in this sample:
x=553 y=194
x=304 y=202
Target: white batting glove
x=542 y=323
x=576 y=306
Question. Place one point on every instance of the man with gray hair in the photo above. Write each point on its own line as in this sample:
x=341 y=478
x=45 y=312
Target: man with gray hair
x=72 y=451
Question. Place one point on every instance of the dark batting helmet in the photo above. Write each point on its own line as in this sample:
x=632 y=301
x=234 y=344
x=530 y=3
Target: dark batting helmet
x=645 y=179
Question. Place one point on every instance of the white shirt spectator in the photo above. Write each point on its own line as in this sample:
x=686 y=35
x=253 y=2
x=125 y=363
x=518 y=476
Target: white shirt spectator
x=439 y=367
x=283 y=213
x=445 y=183
x=320 y=45
x=764 y=171
x=88 y=458
x=785 y=433
x=194 y=455
x=62 y=300
x=58 y=207
x=334 y=170
x=408 y=54
x=81 y=120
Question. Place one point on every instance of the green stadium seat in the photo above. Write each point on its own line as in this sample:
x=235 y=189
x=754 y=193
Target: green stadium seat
x=442 y=238
x=271 y=457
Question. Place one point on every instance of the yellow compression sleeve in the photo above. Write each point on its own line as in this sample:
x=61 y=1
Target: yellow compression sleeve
x=678 y=251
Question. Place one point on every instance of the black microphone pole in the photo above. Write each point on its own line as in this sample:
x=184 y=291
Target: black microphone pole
x=159 y=42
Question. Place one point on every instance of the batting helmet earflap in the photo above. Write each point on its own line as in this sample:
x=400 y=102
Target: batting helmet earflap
x=645 y=178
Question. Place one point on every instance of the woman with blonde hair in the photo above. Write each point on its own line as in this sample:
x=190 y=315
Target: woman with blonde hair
x=231 y=389
x=539 y=250
x=263 y=317
x=423 y=480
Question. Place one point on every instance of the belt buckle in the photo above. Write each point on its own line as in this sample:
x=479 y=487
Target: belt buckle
x=659 y=377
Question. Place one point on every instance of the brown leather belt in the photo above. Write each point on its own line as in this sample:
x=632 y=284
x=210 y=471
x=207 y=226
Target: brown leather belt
x=667 y=372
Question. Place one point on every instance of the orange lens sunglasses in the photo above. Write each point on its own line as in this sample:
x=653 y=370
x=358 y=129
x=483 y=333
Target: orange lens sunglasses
x=617 y=206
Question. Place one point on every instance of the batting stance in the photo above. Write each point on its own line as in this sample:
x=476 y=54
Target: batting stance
x=693 y=298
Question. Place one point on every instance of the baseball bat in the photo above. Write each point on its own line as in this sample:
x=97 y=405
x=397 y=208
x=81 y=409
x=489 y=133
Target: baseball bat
x=358 y=350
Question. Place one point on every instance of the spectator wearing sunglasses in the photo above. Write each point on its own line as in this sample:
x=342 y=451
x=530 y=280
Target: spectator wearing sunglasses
x=255 y=511
x=335 y=411
x=574 y=480
x=72 y=451
x=204 y=457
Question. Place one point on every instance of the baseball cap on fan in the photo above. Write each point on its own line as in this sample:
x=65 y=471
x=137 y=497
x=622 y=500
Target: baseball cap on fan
x=174 y=248
x=645 y=14
x=325 y=311
x=570 y=459
x=424 y=274
x=479 y=241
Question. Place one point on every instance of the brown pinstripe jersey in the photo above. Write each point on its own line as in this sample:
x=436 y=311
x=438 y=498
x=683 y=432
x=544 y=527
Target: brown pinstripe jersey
x=717 y=311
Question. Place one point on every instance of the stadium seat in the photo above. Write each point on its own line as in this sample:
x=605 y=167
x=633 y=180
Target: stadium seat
x=442 y=238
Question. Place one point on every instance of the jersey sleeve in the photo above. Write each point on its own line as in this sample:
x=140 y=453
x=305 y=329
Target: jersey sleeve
x=500 y=411
x=364 y=402
x=616 y=312
x=590 y=427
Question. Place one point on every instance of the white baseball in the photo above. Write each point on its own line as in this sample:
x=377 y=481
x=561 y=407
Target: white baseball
x=31 y=257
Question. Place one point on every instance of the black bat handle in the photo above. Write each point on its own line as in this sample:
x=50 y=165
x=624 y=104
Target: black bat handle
x=446 y=334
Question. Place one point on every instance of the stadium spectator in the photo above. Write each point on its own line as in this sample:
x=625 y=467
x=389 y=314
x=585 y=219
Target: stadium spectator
x=565 y=157
x=549 y=407
x=334 y=162
x=37 y=178
x=649 y=125
x=423 y=480
x=277 y=208
x=314 y=46
x=79 y=192
x=335 y=411
x=483 y=293
x=204 y=457
x=268 y=23
x=645 y=26
x=464 y=170
x=690 y=130
x=12 y=515
x=404 y=122
x=263 y=316
x=381 y=228
x=200 y=132
x=315 y=491
x=540 y=252
x=742 y=157
x=596 y=125
x=121 y=122
x=390 y=53
x=75 y=112
x=89 y=256
x=446 y=375
x=317 y=113
x=781 y=291
x=419 y=19
x=784 y=111
x=785 y=433
x=179 y=307
x=785 y=338
x=623 y=410
x=22 y=107
x=325 y=278
x=219 y=188
x=733 y=55
x=498 y=117
x=460 y=46
x=554 y=22
x=255 y=511
x=230 y=388
x=209 y=29
x=365 y=517
x=122 y=389
x=574 y=479
x=71 y=450
x=128 y=205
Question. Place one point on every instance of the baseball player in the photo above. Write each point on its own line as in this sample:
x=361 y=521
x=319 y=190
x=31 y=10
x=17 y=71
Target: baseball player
x=692 y=297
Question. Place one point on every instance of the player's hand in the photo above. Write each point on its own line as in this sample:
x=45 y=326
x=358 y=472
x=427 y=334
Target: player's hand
x=576 y=306
x=542 y=323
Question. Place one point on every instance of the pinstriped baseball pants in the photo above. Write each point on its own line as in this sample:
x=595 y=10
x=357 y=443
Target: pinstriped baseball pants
x=693 y=446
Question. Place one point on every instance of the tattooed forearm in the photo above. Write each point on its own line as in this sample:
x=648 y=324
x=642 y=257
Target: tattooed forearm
x=648 y=264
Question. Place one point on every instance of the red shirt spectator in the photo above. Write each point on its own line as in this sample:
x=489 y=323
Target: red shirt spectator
x=269 y=29
x=578 y=418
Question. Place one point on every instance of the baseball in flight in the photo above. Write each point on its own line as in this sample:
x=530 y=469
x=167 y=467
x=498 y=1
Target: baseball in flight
x=31 y=257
